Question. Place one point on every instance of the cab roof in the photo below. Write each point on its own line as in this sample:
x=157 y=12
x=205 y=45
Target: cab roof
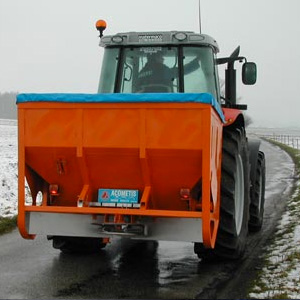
x=159 y=38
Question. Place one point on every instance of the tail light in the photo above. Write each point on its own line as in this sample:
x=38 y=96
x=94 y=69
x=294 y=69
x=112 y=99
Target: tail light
x=54 y=190
x=185 y=194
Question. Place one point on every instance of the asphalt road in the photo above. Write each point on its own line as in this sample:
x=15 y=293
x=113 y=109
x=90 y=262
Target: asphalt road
x=133 y=270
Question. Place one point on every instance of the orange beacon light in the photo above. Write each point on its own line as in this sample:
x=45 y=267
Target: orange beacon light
x=101 y=26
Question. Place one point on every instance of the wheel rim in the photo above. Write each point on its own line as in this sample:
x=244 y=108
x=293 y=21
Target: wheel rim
x=239 y=194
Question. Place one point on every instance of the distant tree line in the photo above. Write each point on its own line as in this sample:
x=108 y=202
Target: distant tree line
x=8 y=107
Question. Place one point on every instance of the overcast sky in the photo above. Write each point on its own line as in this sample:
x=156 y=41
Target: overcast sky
x=52 y=46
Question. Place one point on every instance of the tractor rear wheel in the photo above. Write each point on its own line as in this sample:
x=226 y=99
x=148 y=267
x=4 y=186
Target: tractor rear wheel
x=234 y=209
x=80 y=245
x=257 y=193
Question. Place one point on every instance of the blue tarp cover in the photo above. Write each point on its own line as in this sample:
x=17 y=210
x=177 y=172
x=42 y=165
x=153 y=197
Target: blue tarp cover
x=124 y=98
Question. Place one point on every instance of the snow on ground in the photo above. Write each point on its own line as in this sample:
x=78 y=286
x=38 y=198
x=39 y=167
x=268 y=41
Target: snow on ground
x=8 y=168
x=281 y=272
x=280 y=276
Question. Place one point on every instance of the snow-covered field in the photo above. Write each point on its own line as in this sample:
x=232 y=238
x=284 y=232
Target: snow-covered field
x=280 y=275
x=8 y=168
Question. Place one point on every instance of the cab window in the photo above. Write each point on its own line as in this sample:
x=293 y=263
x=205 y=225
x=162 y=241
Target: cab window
x=109 y=70
x=149 y=70
x=199 y=70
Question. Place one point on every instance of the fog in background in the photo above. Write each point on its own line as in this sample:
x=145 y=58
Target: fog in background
x=52 y=46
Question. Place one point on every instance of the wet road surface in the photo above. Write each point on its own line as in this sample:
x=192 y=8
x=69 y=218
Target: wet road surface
x=140 y=270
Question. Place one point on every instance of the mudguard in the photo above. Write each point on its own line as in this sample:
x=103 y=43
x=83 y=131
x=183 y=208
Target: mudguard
x=233 y=115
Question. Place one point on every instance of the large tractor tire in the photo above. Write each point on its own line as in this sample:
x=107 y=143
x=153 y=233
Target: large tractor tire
x=79 y=245
x=257 y=193
x=235 y=197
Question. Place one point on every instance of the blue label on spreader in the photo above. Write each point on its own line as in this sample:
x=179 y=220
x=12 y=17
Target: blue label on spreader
x=118 y=196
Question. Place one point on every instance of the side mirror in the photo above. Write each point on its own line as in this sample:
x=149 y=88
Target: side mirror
x=249 y=73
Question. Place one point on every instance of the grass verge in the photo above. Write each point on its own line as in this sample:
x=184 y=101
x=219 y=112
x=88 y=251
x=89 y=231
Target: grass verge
x=277 y=278
x=7 y=224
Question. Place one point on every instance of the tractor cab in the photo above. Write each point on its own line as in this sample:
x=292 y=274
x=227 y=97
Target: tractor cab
x=169 y=62
x=161 y=62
